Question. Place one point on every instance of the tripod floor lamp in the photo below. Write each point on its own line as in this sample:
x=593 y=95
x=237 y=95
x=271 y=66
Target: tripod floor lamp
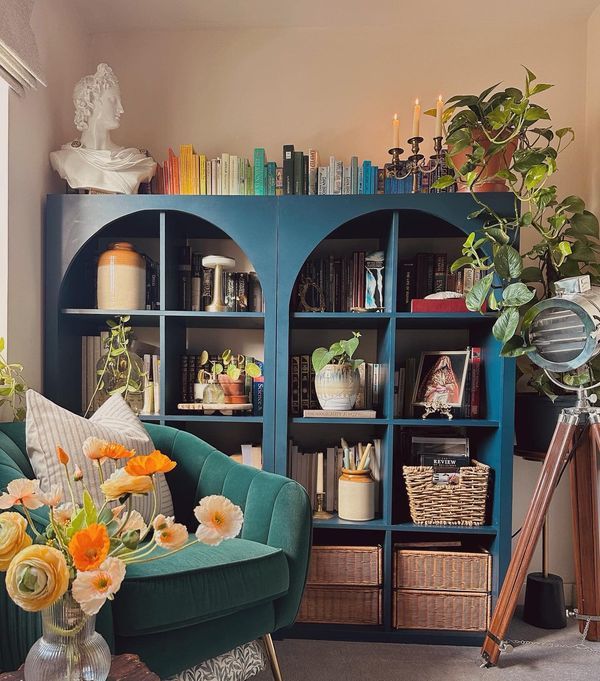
x=565 y=332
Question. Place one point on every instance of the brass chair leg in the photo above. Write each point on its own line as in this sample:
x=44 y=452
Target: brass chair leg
x=270 y=648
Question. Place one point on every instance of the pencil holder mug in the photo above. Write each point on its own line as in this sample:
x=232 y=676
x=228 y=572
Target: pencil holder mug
x=356 y=495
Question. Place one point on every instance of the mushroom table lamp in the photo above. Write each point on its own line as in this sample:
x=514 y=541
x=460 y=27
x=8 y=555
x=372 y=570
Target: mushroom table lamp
x=218 y=263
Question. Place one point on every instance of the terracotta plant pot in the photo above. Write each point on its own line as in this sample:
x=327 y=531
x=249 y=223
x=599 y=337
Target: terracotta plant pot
x=235 y=391
x=337 y=386
x=487 y=182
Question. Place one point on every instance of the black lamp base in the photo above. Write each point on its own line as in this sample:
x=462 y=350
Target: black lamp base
x=545 y=601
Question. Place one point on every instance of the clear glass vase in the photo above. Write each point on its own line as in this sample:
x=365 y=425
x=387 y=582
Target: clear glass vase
x=70 y=648
x=123 y=374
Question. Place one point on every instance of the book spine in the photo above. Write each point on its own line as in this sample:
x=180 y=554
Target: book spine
x=255 y=294
x=196 y=288
x=183 y=375
x=323 y=186
x=288 y=169
x=298 y=172
x=230 y=288
x=304 y=382
x=440 y=267
x=225 y=172
x=313 y=169
x=279 y=181
x=305 y=174
x=271 y=178
x=366 y=174
x=202 y=174
x=241 y=295
x=346 y=181
x=354 y=175
x=380 y=180
x=331 y=187
x=185 y=278
x=259 y=171
x=476 y=382
x=258 y=395
x=295 y=385
x=337 y=184
x=207 y=286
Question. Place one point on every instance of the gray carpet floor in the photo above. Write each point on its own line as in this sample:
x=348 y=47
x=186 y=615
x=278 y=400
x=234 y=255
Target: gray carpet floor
x=556 y=660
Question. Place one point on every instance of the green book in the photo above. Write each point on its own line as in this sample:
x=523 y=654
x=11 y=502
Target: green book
x=259 y=172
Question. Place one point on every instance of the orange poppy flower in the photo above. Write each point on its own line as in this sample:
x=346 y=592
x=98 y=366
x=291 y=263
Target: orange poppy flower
x=63 y=457
x=155 y=462
x=89 y=547
x=113 y=450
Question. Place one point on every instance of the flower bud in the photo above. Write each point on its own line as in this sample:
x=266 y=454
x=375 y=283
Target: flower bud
x=131 y=539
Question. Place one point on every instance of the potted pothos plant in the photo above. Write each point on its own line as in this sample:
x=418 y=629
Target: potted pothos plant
x=521 y=132
x=336 y=373
x=230 y=370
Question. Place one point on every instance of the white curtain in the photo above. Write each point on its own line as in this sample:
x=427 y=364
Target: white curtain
x=19 y=59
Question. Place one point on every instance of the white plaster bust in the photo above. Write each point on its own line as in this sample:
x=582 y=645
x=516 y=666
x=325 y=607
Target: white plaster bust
x=94 y=161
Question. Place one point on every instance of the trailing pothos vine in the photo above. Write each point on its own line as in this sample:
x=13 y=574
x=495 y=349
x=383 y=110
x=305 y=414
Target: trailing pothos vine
x=511 y=124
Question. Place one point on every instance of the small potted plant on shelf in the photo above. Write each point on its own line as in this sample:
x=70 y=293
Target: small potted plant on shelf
x=336 y=374
x=230 y=372
x=12 y=386
x=566 y=233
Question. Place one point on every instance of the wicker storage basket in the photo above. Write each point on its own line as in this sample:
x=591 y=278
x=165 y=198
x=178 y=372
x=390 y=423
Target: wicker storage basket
x=341 y=605
x=455 y=610
x=358 y=565
x=461 y=504
x=442 y=570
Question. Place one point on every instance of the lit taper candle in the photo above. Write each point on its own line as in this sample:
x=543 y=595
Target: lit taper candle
x=396 y=131
x=439 y=109
x=416 y=119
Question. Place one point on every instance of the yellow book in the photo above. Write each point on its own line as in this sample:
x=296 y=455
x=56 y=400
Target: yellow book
x=196 y=169
x=202 y=162
x=185 y=152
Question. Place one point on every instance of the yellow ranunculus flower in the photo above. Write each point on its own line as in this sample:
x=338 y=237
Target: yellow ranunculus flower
x=13 y=537
x=121 y=483
x=37 y=577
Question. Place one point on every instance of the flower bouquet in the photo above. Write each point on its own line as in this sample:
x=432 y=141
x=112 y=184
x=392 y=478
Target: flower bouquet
x=78 y=562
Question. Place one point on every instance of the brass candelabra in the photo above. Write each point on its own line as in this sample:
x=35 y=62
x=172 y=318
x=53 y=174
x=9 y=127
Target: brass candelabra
x=415 y=164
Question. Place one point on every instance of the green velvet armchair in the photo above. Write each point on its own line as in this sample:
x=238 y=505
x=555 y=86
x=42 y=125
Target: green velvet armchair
x=176 y=612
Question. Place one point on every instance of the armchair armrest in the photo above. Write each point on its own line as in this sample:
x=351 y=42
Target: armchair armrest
x=276 y=510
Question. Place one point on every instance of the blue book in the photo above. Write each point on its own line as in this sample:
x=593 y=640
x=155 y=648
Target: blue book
x=258 y=396
x=259 y=172
x=374 y=170
x=366 y=168
x=271 y=178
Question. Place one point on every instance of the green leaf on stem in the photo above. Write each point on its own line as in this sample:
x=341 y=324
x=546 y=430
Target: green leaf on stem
x=505 y=326
x=477 y=295
x=508 y=263
x=515 y=295
x=443 y=182
x=531 y=274
x=585 y=223
x=460 y=262
x=515 y=347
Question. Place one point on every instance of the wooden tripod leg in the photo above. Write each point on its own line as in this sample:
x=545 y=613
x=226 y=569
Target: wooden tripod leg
x=554 y=463
x=586 y=535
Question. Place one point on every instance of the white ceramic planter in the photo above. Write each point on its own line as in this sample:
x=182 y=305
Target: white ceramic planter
x=337 y=386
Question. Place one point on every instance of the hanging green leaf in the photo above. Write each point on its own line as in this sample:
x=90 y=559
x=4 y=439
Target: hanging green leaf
x=505 y=326
x=515 y=295
x=508 y=263
x=477 y=295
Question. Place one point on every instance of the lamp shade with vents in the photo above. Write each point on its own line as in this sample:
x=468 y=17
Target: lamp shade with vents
x=564 y=329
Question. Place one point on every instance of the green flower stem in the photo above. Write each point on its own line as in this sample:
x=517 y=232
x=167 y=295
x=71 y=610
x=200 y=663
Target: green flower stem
x=154 y=509
x=100 y=472
x=170 y=553
x=30 y=521
x=127 y=516
x=69 y=485
x=143 y=556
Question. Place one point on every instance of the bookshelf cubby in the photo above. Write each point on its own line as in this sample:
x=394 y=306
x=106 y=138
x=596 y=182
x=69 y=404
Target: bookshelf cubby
x=276 y=236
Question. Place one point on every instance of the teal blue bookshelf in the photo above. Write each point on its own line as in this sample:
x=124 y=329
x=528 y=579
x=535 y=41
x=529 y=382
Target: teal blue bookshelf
x=278 y=234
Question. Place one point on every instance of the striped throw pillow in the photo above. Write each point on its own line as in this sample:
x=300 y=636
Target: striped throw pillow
x=49 y=425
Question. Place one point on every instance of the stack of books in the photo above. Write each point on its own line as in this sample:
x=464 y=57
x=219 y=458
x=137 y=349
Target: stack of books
x=428 y=273
x=339 y=283
x=298 y=173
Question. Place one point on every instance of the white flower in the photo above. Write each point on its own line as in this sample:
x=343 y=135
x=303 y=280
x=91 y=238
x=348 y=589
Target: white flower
x=219 y=519
x=51 y=498
x=63 y=513
x=92 y=588
x=135 y=522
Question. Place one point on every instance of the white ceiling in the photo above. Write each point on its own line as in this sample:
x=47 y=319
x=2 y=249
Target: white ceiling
x=124 y=15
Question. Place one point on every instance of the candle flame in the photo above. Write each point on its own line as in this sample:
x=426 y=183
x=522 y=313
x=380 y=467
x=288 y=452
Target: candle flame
x=395 y=116
x=416 y=101
x=440 y=98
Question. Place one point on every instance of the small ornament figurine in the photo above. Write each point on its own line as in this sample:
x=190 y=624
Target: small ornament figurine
x=94 y=161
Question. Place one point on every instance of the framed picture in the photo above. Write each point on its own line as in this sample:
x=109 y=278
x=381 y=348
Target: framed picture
x=441 y=378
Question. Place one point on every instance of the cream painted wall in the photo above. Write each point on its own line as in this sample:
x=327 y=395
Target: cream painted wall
x=38 y=122
x=593 y=111
x=336 y=90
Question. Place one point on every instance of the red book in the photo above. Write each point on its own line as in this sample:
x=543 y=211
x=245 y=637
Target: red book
x=440 y=305
x=475 y=383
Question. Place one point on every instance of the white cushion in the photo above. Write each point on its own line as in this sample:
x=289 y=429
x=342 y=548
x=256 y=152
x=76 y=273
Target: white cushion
x=49 y=425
